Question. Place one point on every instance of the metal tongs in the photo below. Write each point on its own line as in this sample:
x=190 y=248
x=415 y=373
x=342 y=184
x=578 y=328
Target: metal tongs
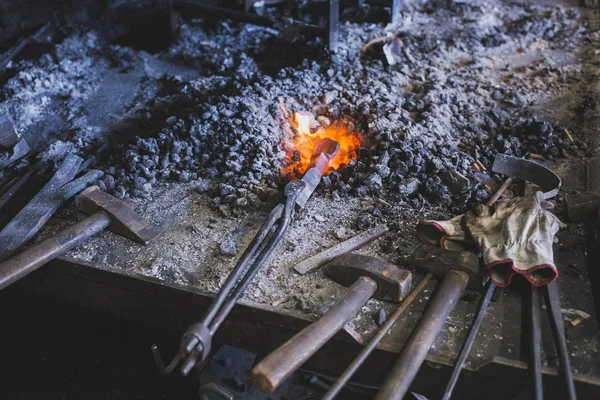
x=196 y=341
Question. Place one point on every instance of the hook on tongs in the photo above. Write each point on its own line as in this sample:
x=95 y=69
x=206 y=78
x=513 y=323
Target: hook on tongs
x=159 y=361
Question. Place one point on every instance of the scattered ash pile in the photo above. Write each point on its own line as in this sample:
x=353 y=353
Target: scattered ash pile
x=435 y=96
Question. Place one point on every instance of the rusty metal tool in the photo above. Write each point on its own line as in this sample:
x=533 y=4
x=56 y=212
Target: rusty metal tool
x=344 y=247
x=368 y=349
x=11 y=141
x=457 y=270
x=19 y=181
x=549 y=182
x=196 y=341
x=8 y=134
x=523 y=169
x=44 y=204
x=365 y=277
x=529 y=171
x=105 y=211
x=558 y=330
x=535 y=340
x=334 y=22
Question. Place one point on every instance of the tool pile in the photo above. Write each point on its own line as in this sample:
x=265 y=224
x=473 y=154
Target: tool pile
x=197 y=132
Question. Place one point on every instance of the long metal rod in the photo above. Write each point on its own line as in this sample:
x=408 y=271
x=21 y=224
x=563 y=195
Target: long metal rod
x=464 y=352
x=41 y=253
x=560 y=341
x=535 y=341
x=396 y=10
x=242 y=264
x=410 y=360
x=334 y=22
x=368 y=349
x=260 y=260
x=19 y=182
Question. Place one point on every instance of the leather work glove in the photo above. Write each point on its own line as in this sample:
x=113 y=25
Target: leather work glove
x=448 y=235
x=516 y=238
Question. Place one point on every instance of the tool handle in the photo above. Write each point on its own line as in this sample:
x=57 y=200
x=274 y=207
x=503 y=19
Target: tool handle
x=535 y=337
x=281 y=363
x=41 y=253
x=404 y=371
x=558 y=330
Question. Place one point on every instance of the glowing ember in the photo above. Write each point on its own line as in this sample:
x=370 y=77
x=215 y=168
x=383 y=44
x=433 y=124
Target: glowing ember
x=308 y=132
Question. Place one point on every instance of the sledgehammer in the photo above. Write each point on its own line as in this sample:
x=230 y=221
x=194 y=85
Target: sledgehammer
x=105 y=211
x=366 y=276
x=457 y=269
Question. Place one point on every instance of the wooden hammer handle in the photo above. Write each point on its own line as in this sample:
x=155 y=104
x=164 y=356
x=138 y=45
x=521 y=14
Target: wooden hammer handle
x=281 y=363
x=41 y=253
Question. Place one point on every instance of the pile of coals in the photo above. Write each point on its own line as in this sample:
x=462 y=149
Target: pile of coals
x=433 y=120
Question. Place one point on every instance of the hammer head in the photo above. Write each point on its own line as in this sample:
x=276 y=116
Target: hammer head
x=393 y=283
x=123 y=219
x=439 y=261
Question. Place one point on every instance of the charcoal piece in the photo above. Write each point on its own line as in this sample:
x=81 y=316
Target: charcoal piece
x=109 y=182
x=456 y=182
x=409 y=186
x=340 y=233
x=228 y=247
x=380 y=317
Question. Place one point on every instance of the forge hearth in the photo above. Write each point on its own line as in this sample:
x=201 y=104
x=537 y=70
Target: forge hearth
x=205 y=119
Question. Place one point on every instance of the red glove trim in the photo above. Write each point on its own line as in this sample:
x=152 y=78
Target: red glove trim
x=525 y=273
x=425 y=224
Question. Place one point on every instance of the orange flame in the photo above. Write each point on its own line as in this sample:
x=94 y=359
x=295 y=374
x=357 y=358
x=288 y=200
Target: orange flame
x=307 y=134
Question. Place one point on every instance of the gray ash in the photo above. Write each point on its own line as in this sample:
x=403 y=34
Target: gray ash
x=449 y=101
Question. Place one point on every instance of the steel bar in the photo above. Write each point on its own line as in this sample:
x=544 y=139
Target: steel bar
x=464 y=352
x=344 y=247
x=396 y=10
x=41 y=253
x=240 y=267
x=250 y=18
x=334 y=22
x=535 y=341
x=281 y=363
x=560 y=341
x=404 y=371
x=368 y=349
x=16 y=49
x=35 y=214
x=19 y=182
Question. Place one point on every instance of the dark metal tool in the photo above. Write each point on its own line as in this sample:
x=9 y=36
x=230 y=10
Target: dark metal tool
x=558 y=330
x=365 y=277
x=368 y=349
x=515 y=168
x=38 y=211
x=105 y=211
x=196 y=341
x=535 y=341
x=529 y=171
x=334 y=22
x=457 y=270
x=344 y=247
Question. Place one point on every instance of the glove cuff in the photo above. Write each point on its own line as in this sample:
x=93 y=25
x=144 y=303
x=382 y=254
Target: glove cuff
x=533 y=260
x=430 y=232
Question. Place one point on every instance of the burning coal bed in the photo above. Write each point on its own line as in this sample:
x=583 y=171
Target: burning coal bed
x=213 y=126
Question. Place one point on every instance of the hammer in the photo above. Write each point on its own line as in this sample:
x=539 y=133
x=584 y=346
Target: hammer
x=457 y=270
x=105 y=211
x=366 y=277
